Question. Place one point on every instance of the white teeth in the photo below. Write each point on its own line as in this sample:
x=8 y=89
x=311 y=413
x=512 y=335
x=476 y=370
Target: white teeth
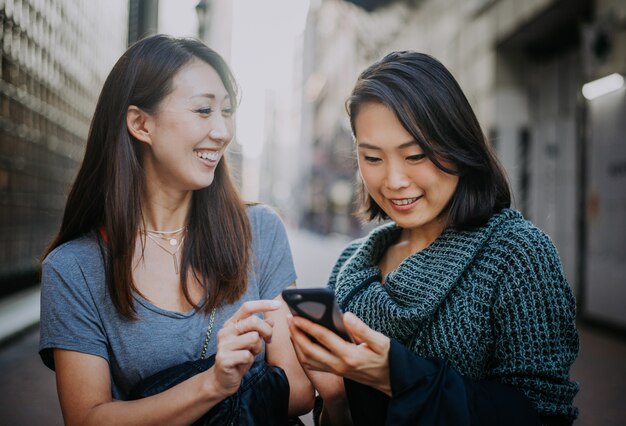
x=210 y=155
x=404 y=201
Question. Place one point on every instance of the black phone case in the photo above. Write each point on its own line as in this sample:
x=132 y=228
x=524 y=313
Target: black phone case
x=300 y=302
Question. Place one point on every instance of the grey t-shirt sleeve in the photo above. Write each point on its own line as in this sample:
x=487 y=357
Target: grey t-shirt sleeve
x=273 y=263
x=69 y=315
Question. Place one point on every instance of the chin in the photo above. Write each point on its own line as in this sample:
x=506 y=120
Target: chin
x=204 y=183
x=208 y=183
x=405 y=222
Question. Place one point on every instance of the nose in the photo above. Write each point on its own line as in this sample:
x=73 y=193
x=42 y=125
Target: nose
x=220 y=129
x=396 y=177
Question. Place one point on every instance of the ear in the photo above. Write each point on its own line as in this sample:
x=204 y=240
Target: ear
x=137 y=124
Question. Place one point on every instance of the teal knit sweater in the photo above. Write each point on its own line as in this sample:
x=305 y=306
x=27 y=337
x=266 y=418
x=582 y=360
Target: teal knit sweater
x=493 y=302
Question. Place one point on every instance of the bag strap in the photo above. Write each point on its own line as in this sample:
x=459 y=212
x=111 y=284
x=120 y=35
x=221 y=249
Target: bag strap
x=209 y=330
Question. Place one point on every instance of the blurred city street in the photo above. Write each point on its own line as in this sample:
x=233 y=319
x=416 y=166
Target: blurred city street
x=29 y=395
x=545 y=78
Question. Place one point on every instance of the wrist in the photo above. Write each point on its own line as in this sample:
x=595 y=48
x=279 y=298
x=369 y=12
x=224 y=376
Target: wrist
x=336 y=413
x=211 y=388
x=336 y=401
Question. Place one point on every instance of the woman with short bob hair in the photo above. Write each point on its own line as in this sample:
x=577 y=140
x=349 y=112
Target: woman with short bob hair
x=458 y=308
x=159 y=265
x=431 y=106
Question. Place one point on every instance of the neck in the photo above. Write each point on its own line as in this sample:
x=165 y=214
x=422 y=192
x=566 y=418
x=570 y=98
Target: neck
x=417 y=239
x=163 y=211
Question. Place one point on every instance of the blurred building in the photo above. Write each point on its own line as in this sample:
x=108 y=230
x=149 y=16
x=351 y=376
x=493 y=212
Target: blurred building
x=143 y=19
x=55 y=57
x=522 y=65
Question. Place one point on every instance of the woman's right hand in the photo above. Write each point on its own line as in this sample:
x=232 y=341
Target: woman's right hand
x=239 y=342
x=84 y=380
x=330 y=388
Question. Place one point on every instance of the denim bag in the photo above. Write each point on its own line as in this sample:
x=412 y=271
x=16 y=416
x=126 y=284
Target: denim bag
x=261 y=400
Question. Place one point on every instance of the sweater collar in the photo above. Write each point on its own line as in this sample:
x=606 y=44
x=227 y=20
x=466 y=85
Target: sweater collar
x=416 y=288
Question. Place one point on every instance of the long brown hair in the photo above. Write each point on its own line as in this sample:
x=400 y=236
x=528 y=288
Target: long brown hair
x=109 y=186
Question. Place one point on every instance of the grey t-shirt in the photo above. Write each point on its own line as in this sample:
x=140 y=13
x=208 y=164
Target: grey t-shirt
x=77 y=314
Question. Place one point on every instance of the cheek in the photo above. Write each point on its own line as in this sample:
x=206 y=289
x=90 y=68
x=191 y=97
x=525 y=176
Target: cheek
x=368 y=176
x=229 y=123
x=447 y=186
x=431 y=177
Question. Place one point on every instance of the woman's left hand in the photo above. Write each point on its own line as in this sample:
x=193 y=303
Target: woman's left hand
x=366 y=361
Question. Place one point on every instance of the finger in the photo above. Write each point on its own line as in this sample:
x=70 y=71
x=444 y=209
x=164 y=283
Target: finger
x=243 y=341
x=250 y=341
x=299 y=340
x=256 y=347
x=254 y=307
x=234 y=359
x=376 y=341
x=311 y=355
x=320 y=333
x=256 y=324
x=296 y=336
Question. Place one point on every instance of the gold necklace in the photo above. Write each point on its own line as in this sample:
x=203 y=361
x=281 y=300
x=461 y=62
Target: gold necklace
x=169 y=236
x=165 y=249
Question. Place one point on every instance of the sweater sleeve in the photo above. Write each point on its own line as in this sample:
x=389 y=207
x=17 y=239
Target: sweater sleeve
x=437 y=394
x=534 y=326
x=428 y=392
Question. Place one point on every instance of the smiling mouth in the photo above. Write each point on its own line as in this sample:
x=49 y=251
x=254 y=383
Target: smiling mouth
x=403 y=201
x=208 y=155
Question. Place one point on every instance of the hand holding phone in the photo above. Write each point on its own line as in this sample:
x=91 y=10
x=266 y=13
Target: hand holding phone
x=317 y=305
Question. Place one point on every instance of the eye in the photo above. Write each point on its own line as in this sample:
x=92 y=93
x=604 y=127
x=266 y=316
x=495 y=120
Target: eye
x=416 y=157
x=204 y=111
x=227 y=112
x=371 y=160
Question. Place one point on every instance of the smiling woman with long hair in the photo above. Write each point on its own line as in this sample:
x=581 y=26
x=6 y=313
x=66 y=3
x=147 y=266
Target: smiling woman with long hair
x=158 y=261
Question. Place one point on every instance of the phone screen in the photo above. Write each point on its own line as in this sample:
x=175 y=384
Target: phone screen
x=317 y=305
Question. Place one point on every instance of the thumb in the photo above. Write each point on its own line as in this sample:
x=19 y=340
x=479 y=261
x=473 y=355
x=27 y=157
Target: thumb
x=361 y=333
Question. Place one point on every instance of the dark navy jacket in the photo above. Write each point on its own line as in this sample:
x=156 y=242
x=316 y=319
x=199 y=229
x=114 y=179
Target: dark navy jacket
x=429 y=392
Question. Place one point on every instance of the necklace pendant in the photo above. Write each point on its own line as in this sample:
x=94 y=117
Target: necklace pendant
x=173 y=242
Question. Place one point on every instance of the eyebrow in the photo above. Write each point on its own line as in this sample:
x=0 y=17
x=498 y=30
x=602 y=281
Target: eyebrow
x=209 y=95
x=402 y=146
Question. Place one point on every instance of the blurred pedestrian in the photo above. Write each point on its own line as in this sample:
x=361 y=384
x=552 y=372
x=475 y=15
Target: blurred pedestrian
x=158 y=262
x=458 y=308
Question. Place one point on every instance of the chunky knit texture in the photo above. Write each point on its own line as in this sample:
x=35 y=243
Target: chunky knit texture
x=493 y=302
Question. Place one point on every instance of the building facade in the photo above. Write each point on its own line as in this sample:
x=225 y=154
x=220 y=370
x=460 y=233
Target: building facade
x=54 y=58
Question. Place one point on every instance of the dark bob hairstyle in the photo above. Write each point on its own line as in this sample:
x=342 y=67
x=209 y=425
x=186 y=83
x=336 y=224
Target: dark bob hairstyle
x=431 y=106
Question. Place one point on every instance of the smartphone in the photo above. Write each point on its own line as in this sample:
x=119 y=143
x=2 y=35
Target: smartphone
x=317 y=305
